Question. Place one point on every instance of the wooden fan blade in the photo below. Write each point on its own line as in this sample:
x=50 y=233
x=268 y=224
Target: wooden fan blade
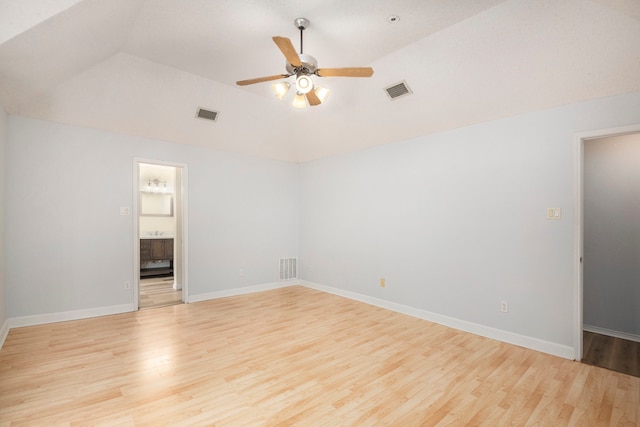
x=287 y=49
x=261 y=79
x=345 y=72
x=313 y=98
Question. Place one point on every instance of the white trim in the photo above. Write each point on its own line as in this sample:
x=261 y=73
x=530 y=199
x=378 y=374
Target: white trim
x=41 y=319
x=136 y=233
x=577 y=248
x=4 y=332
x=241 y=291
x=611 y=333
x=497 y=334
x=578 y=149
x=184 y=195
x=474 y=328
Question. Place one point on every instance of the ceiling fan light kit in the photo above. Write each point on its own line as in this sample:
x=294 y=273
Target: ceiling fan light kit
x=303 y=66
x=280 y=89
x=299 y=101
x=322 y=92
x=304 y=84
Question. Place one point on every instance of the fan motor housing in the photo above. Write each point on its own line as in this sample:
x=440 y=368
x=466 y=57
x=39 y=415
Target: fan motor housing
x=309 y=65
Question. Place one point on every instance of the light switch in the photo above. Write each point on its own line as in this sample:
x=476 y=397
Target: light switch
x=124 y=210
x=554 y=213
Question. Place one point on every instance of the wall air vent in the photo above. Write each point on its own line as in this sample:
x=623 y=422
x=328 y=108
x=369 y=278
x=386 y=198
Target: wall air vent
x=288 y=268
x=398 y=90
x=207 y=114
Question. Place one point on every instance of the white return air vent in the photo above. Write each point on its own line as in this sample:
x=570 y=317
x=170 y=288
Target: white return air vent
x=203 y=113
x=288 y=268
x=398 y=90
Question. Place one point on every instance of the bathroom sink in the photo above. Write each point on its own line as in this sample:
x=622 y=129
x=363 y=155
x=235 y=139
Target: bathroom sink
x=156 y=235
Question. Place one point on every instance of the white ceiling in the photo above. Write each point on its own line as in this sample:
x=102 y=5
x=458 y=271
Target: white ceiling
x=142 y=67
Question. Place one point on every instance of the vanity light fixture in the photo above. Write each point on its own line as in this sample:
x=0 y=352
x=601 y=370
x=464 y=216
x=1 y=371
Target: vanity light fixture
x=155 y=186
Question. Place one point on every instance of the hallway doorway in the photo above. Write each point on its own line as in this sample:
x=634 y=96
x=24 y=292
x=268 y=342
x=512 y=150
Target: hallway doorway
x=610 y=352
x=608 y=325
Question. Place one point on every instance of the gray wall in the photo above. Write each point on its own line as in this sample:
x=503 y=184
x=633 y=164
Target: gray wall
x=612 y=234
x=69 y=249
x=3 y=301
x=456 y=222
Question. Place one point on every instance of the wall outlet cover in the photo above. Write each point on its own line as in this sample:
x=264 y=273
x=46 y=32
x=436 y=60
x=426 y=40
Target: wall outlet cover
x=504 y=306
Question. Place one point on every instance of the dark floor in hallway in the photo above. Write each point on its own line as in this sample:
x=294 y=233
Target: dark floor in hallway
x=612 y=353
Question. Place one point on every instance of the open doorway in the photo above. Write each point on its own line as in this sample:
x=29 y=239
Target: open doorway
x=159 y=235
x=608 y=328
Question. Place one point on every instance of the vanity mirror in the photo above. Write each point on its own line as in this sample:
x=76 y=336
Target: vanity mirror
x=156 y=204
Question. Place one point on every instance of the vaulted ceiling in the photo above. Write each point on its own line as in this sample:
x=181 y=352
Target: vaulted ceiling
x=143 y=67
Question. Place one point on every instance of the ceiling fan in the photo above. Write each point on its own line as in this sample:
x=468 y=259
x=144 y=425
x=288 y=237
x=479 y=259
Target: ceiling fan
x=303 y=66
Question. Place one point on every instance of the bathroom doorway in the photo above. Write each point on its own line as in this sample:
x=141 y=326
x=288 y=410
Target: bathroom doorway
x=160 y=194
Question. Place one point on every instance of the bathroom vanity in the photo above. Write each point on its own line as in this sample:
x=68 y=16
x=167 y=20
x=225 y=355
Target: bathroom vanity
x=156 y=257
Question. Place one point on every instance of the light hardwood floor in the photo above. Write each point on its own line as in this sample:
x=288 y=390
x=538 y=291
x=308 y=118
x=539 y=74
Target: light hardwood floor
x=157 y=292
x=294 y=356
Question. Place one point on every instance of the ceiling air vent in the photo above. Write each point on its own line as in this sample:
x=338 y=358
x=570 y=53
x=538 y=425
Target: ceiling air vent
x=398 y=90
x=207 y=114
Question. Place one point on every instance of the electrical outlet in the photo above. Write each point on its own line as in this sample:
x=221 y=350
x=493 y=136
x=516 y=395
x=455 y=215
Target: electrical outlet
x=127 y=285
x=241 y=272
x=382 y=283
x=504 y=306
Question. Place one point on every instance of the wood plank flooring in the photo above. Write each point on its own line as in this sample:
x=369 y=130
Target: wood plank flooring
x=294 y=356
x=158 y=292
x=612 y=353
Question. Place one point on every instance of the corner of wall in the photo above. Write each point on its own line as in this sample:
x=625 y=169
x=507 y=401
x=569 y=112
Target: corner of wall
x=3 y=300
x=4 y=331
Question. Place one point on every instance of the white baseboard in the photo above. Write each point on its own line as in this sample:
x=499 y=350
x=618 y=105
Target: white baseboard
x=241 y=291
x=4 y=332
x=41 y=319
x=611 y=333
x=555 y=349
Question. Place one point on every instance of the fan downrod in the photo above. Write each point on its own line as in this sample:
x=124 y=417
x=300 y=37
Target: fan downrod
x=301 y=24
x=309 y=63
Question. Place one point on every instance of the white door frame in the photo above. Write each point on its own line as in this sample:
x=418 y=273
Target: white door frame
x=578 y=238
x=181 y=246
